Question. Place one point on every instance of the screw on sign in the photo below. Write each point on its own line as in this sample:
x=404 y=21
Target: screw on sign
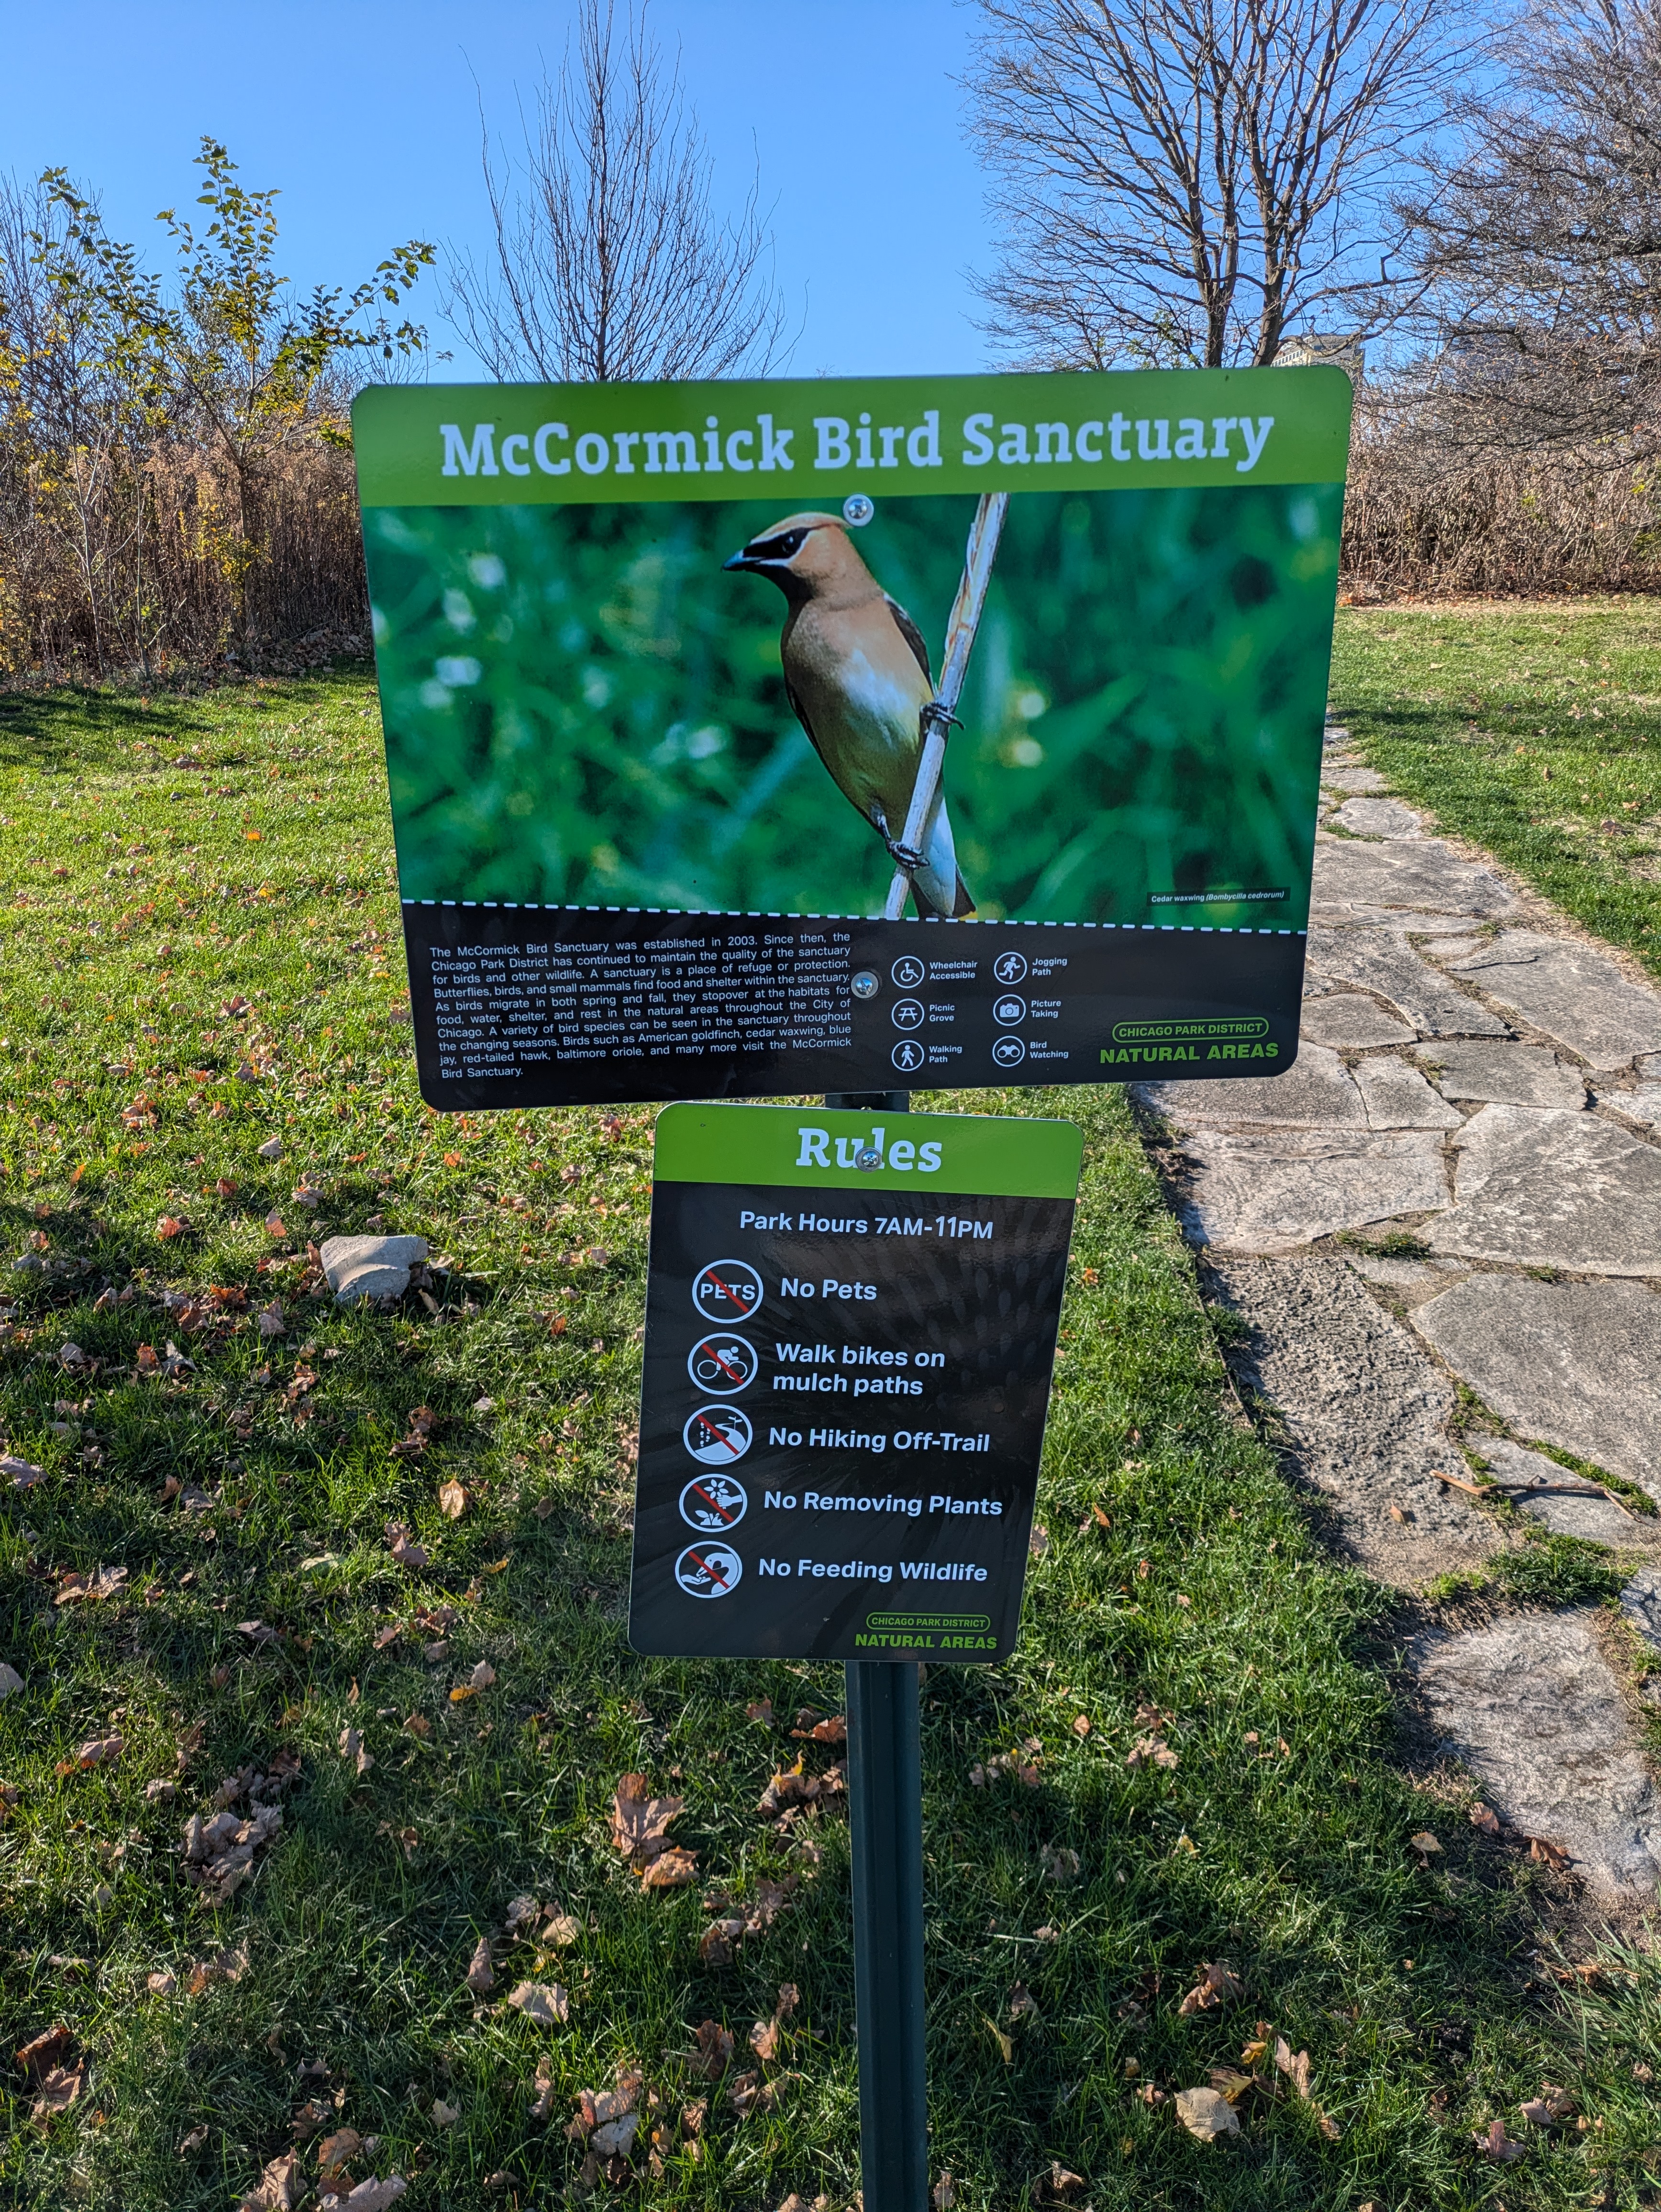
x=713 y=1503
x=722 y=1362
x=708 y=1570
x=727 y=1290
x=717 y=1435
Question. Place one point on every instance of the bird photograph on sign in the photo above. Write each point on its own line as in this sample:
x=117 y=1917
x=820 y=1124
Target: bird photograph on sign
x=1037 y=647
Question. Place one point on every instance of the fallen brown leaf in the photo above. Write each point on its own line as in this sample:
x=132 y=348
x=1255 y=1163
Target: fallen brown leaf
x=351 y=1748
x=1206 y=2115
x=1548 y=1854
x=452 y=1500
x=562 y=1931
x=402 y=1547
x=37 y=2058
x=672 y=1869
x=545 y=2002
x=1425 y=1843
x=544 y=2085
x=640 y=1822
x=336 y=2152
x=715 y=2049
x=1485 y=1818
x=1496 y=2144
x=1060 y=1863
x=481 y=1977
x=1295 y=2070
x=943 y=2196
x=1218 y=1984
x=1006 y=2047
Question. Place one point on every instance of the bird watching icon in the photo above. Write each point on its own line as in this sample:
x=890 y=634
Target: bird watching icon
x=1008 y=1052
x=722 y=1363
x=717 y=1435
x=712 y=1504
x=727 y=1290
x=709 y=1570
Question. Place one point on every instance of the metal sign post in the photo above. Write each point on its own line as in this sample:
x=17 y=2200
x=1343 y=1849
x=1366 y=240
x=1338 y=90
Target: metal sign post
x=884 y=1808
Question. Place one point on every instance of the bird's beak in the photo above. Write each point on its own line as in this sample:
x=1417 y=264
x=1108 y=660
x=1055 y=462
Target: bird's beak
x=739 y=559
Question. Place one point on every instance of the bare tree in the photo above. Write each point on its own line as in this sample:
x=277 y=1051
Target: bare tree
x=1539 y=239
x=1181 y=181
x=609 y=262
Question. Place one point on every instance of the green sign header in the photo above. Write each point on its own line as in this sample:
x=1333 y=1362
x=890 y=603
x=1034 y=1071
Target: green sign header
x=819 y=440
x=815 y=1147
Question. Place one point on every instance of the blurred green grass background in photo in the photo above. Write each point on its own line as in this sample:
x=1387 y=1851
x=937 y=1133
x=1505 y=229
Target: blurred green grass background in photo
x=582 y=709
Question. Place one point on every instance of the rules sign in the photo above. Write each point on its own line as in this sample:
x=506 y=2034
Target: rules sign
x=850 y=1325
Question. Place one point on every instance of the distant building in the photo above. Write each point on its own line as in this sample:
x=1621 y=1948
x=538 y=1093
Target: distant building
x=1325 y=350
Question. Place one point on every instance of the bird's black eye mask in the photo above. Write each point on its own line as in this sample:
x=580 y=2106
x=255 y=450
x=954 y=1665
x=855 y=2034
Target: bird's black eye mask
x=784 y=547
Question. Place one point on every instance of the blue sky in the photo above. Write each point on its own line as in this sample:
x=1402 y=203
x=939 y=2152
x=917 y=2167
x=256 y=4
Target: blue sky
x=366 y=112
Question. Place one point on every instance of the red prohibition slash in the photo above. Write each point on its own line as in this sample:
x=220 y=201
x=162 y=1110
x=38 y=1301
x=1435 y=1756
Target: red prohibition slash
x=713 y=1503
x=726 y=1290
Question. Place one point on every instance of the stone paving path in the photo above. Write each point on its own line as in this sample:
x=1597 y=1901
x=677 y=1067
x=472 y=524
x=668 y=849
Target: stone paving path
x=1459 y=1184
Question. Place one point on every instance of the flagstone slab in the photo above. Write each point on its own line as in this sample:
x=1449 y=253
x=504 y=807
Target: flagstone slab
x=1365 y=1413
x=1571 y=993
x=1345 y=1017
x=1315 y=1092
x=1567 y=1503
x=1503 y=1074
x=1338 y=777
x=1405 y=871
x=1533 y=1708
x=1541 y=1187
x=1572 y=1363
x=1379 y=818
x=1397 y=1097
x=1275 y=1191
x=1411 y=1280
x=1383 y=961
x=1642 y=1105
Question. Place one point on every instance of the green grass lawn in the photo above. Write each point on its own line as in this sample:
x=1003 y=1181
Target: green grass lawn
x=1533 y=728
x=201 y=956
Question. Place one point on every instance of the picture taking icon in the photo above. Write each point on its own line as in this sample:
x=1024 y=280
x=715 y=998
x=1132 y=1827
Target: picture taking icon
x=709 y=1570
x=717 y=1435
x=907 y=1055
x=722 y=1363
x=1008 y=1052
x=1010 y=1010
x=907 y=971
x=713 y=1503
x=906 y=1014
x=1009 y=967
x=727 y=1290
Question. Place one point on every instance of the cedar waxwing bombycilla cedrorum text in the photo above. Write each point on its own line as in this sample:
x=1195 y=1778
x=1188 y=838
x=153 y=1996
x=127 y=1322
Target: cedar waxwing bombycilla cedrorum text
x=857 y=677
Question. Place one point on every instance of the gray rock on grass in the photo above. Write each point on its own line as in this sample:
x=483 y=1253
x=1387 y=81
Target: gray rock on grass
x=1366 y=1411
x=1541 y=1187
x=1276 y=1191
x=370 y=1266
x=1315 y=1092
x=1383 y=961
x=1502 y=1074
x=1564 y=1502
x=1379 y=818
x=1573 y=1363
x=1397 y=1097
x=1345 y=1017
x=1531 y=1705
x=1571 y=993
x=1405 y=871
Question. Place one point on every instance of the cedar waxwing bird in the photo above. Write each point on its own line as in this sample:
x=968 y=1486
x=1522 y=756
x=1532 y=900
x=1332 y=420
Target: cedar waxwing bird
x=857 y=677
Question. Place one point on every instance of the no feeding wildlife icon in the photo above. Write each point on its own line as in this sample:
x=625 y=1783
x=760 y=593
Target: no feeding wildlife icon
x=1009 y=774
